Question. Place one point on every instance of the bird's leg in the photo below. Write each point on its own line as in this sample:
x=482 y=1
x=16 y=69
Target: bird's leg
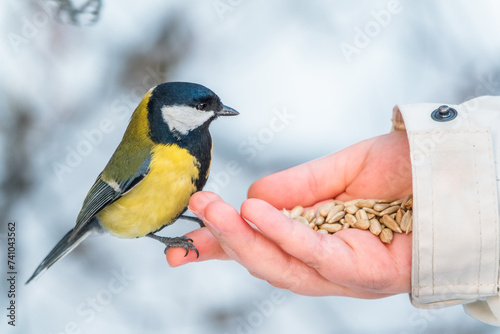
x=183 y=242
x=194 y=219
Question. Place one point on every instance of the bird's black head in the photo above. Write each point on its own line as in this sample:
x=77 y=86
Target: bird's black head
x=178 y=108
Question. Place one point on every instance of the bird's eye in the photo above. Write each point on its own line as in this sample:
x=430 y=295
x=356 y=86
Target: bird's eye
x=202 y=106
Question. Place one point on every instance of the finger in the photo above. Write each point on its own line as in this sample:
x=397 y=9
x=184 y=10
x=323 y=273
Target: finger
x=265 y=259
x=208 y=247
x=351 y=261
x=294 y=238
x=313 y=181
x=386 y=171
x=376 y=267
x=199 y=201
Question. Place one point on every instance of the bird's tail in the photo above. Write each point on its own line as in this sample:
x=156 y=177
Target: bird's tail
x=63 y=247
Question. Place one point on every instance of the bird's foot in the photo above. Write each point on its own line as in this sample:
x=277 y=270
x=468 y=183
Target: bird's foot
x=184 y=242
x=194 y=219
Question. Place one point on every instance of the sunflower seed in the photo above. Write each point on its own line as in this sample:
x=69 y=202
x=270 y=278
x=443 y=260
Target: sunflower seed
x=351 y=202
x=319 y=220
x=386 y=236
x=369 y=203
x=336 y=217
x=351 y=209
x=296 y=211
x=361 y=214
x=381 y=217
x=397 y=202
x=409 y=203
x=332 y=228
x=399 y=216
x=406 y=199
x=363 y=224
x=323 y=210
x=302 y=220
x=389 y=210
x=410 y=225
x=380 y=206
x=350 y=219
x=334 y=211
x=406 y=222
x=390 y=223
x=375 y=226
x=308 y=214
x=370 y=210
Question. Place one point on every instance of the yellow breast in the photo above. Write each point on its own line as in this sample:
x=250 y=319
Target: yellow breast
x=160 y=197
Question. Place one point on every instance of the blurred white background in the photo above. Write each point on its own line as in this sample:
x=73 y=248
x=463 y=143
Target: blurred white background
x=331 y=71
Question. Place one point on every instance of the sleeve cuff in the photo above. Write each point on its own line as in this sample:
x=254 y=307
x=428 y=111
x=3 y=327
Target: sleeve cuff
x=455 y=224
x=487 y=311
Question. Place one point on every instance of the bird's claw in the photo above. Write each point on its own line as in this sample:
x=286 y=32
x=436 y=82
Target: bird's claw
x=184 y=242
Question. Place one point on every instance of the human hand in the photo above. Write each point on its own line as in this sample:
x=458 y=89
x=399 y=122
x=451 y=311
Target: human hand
x=289 y=254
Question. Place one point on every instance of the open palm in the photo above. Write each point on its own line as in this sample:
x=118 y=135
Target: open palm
x=289 y=254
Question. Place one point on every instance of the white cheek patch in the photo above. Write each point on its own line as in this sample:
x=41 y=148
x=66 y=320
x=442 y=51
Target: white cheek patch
x=184 y=119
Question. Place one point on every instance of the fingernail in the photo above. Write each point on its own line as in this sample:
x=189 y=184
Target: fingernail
x=250 y=223
x=201 y=199
x=197 y=214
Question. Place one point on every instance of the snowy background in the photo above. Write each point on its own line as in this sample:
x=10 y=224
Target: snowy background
x=335 y=68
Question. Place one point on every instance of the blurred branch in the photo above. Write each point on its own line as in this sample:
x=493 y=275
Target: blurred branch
x=17 y=177
x=84 y=14
x=159 y=55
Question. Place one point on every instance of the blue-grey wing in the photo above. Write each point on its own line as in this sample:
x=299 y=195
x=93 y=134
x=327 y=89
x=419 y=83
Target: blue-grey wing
x=106 y=192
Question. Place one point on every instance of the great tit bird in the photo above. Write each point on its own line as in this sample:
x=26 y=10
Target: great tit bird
x=163 y=158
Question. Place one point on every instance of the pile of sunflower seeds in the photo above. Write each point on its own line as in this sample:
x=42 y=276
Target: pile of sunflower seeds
x=380 y=217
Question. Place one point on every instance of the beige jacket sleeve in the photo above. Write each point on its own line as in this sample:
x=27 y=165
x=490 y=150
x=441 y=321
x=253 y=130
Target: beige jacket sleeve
x=455 y=159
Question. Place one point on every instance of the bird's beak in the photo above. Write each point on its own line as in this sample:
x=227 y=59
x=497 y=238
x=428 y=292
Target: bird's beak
x=227 y=111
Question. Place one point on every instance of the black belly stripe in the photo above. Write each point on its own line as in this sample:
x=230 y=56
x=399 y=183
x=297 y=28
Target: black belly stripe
x=197 y=142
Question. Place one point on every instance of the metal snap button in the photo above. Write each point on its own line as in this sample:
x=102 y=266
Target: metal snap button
x=444 y=114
